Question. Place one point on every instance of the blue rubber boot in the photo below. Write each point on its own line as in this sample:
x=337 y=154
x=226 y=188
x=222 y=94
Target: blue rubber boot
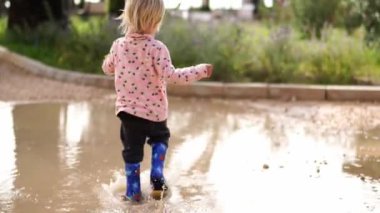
x=157 y=180
x=132 y=172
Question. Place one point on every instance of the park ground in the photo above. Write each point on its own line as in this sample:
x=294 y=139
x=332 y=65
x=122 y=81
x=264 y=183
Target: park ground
x=17 y=85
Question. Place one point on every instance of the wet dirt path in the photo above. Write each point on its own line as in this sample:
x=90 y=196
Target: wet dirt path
x=16 y=85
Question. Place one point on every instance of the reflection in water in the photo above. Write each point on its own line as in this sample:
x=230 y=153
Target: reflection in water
x=303 y=167
x=37 y=135
x=183 y=158
x=7 y=157
x=73 y=122
x=306 y=170
x=188 y=152
x=366 y=163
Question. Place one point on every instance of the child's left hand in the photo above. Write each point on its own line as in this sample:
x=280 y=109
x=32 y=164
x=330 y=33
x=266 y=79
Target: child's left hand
x=209 y=69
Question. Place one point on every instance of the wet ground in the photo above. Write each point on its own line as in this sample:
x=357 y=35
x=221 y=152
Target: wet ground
x=224 y=156
x=19 y=85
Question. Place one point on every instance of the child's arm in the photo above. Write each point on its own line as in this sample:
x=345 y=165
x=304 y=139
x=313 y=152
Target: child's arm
x=108 y=65
x=163 y=65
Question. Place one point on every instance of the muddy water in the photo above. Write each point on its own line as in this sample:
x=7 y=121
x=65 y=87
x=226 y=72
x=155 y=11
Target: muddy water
x=224 y=157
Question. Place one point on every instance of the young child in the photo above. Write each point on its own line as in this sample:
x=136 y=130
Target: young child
x=142 y=68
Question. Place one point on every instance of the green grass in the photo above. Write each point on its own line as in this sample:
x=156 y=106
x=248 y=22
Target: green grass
x=81 y=48
x=249 y=52
x=240 y=52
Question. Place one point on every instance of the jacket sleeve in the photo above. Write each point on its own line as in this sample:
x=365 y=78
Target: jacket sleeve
x=172 y=75
x=108 y=65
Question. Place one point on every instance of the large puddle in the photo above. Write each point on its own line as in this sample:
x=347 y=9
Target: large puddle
x=235 y=156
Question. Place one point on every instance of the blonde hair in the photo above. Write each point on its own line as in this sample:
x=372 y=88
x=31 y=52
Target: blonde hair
x=142 y=16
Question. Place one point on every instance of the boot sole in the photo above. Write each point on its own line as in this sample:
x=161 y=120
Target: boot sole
x=124 y=198
x=159 y=194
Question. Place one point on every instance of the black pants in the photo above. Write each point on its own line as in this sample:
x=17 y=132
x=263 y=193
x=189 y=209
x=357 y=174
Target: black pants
x=133 y=133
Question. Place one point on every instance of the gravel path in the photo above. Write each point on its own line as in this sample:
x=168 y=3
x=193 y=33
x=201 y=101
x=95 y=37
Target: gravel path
x=16 y=85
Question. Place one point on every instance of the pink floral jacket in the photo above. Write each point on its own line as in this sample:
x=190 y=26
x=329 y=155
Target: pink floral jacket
x=142 y=68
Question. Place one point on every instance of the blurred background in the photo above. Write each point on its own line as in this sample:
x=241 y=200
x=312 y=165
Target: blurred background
x=277 y=41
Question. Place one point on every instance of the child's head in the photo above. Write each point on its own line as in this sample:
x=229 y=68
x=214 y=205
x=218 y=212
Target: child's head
x=142 y=16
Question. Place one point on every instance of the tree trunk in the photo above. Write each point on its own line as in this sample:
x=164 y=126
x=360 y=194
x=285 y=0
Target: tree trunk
x=2 y=7
x=28 y=14
x=114 y=7
x=205 y=5
x=256 y=11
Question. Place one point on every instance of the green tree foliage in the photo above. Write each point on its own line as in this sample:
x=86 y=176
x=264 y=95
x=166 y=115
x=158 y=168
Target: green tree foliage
x=371 y=19
x=312 y=16
x=349 y=15
x=362 y=13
